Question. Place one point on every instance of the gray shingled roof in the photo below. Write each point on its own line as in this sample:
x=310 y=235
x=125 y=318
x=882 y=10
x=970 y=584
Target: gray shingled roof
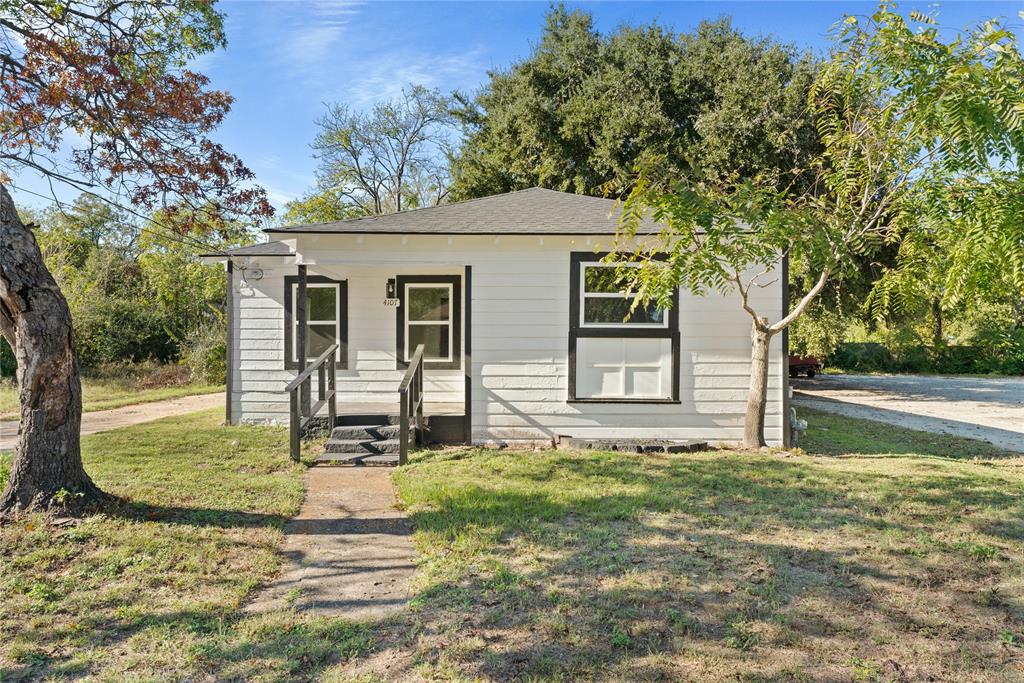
x=536 y=211
x=265 y=249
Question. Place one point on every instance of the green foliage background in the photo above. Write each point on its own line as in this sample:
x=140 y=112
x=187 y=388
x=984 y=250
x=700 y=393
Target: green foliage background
x=585 y=109
x=137 y=290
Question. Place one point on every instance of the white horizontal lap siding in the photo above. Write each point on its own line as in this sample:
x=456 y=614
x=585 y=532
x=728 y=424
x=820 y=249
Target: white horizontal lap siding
x=520 y=358
x=520 y=309
x=372 y=376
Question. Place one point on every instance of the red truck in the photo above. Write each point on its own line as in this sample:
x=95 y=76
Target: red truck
x=808 y=365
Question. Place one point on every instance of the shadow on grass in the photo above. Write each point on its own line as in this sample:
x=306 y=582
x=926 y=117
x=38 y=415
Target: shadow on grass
x=644 y=558
x=193 y=516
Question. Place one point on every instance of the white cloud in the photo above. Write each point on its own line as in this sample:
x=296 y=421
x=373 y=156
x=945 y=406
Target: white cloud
x=306 y=45
x=386 y=74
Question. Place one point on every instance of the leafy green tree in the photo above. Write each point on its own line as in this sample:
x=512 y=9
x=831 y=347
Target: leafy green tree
x=910 y=122
x=320 y=206
x=584 y=109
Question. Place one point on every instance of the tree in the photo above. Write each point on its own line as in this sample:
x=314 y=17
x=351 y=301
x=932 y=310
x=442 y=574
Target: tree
x=584 y=109
x=393 y=158
x=911 y=124
x=110 y=81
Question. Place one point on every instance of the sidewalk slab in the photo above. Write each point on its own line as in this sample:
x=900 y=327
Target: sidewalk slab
x=349 y=551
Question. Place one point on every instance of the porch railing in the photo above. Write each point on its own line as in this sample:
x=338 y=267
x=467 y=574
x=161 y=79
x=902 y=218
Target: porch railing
x=299 y=390
x=410 y=402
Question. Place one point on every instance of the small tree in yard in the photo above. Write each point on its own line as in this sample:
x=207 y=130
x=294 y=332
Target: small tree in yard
x=912 y=124
x=109 y=81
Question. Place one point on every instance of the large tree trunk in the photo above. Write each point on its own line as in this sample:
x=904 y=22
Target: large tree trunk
x=47 y=470
x=757 y=398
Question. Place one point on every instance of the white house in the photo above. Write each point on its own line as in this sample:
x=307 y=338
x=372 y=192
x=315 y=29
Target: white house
x=524 y=343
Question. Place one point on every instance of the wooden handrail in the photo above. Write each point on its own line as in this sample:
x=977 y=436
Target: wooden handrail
x=410 y=403
x=308 y=372
x=414 y=366
x=324 y=366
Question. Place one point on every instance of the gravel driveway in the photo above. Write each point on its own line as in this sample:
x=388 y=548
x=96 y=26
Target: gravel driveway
x=987 y=408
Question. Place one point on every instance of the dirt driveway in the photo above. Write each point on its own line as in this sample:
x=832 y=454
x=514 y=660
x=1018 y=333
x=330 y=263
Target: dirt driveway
x=987 y=408
x=105 y=420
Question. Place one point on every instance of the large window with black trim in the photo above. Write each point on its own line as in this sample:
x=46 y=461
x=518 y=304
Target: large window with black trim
x=618 y=352
x=327 y=319
x=429 y=313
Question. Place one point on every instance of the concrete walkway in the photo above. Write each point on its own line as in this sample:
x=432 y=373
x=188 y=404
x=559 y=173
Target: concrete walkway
x=349 y=551
x=105 y=420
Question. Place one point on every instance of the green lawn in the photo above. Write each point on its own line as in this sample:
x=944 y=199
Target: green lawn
x=875 y=554
x=105 y=393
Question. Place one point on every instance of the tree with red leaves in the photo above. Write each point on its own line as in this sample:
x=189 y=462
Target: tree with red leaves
x=98 y=95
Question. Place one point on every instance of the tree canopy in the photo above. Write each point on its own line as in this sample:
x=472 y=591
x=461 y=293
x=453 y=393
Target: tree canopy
x=921 y=133
x=99 y=95
x=585 y=109
x=394 y=157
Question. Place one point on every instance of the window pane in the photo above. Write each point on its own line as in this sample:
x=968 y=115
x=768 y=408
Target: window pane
x=322 y=303
x=428 y=303
x=320 y=338
x=434 y=339
x=600 y=279
x=605 y=310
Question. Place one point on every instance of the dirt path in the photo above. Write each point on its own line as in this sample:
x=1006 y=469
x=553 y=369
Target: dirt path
x=105 y=420
x=986 y=408
x=348 y=551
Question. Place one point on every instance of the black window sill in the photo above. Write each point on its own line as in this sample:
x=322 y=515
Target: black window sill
x=641 y=401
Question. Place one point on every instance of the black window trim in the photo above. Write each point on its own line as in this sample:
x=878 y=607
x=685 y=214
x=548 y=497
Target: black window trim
x=456 y=320
x=290 y=282
x=577 y=331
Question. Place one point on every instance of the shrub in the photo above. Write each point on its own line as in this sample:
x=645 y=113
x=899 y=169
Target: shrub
x=863 y=357
x=121 y=330
x=204 y=353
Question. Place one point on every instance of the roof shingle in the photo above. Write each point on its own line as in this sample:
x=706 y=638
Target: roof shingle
x=536 y=211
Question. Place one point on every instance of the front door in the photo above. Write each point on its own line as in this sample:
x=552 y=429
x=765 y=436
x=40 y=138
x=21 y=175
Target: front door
x=429 y=313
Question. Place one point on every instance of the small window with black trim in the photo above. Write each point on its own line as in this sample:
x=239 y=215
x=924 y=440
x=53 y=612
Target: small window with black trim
x=604 y=304
x=326 y=319
x=618 y=353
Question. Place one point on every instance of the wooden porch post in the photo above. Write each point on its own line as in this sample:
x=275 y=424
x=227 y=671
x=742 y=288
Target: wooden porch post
x=301 y=332
x=229 y=356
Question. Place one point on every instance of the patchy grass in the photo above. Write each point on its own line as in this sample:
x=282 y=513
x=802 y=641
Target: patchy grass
x=104 y=393
x=151 y=589
x=878 y=554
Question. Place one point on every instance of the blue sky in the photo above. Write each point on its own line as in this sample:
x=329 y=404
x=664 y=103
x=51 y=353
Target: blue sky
x=285 y=59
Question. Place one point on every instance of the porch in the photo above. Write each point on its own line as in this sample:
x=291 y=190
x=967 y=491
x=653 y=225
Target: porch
x=430 y=366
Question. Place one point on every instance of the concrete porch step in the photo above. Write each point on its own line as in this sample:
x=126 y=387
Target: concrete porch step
x=363 y=446
x=379 y=460
x=365 y=432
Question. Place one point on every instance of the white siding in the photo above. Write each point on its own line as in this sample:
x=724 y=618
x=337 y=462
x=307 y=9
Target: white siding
x=520 y=312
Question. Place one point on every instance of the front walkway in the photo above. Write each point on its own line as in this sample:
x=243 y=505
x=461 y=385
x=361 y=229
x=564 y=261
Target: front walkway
x=349 y=551
x=105 y=420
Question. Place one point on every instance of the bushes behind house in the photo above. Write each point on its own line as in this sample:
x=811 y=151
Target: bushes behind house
x=138 y=297
x=1000 y=354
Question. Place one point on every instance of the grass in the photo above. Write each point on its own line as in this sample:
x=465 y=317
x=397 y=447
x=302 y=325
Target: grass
x=152 y=588
x=104 y=393
x=876 y=554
